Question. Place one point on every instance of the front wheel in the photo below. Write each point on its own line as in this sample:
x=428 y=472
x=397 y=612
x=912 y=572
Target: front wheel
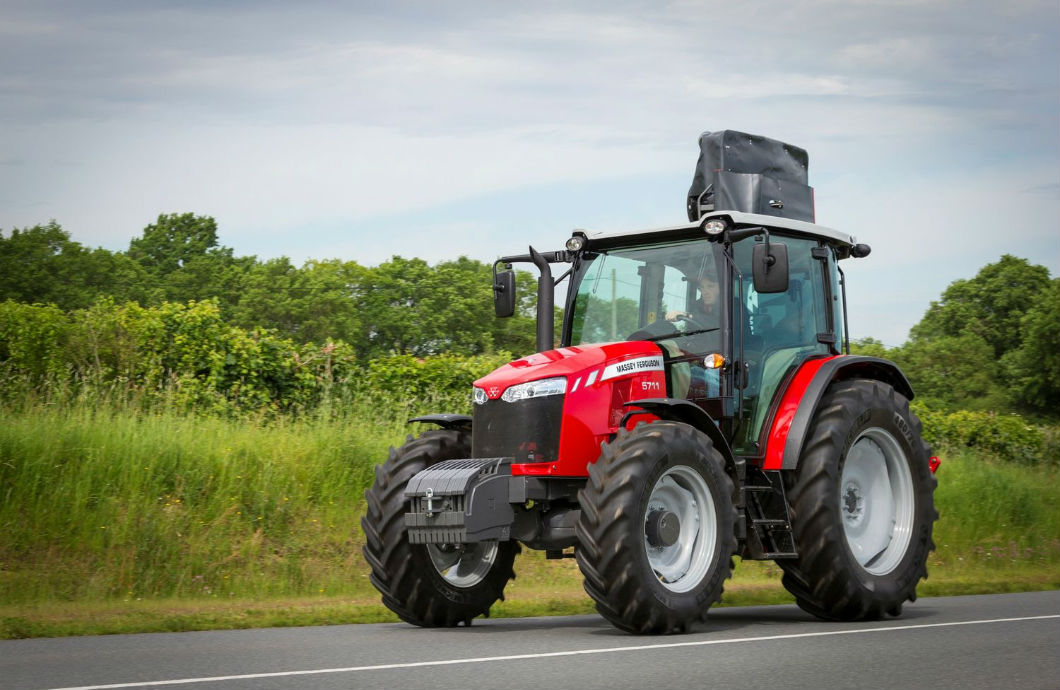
x=862 y=506
x=431 y=585
x=655 y=535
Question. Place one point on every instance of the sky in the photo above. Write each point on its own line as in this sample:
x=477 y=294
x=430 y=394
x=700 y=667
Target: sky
x=363 y=130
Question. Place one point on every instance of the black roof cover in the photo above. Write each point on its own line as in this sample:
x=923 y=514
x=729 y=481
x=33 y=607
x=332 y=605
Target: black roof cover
x=726 y=176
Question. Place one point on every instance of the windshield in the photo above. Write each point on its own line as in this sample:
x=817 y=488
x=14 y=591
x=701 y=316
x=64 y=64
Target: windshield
x=654 y=292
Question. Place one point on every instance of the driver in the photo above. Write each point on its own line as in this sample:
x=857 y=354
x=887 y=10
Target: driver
x=703 y=315
x=703 y=311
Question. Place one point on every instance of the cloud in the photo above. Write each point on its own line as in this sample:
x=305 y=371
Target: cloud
x=343 y=127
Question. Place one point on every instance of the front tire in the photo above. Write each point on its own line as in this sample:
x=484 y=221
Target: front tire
x=655 y=536
x=862 y=508
x=428 y=585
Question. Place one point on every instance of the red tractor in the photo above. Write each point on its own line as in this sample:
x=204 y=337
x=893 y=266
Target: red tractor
x=699 y=406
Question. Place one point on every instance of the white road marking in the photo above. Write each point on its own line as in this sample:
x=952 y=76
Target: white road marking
x=547 y=655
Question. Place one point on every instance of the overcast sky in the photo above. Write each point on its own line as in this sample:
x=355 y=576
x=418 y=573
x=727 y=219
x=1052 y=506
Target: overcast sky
x=362 y=130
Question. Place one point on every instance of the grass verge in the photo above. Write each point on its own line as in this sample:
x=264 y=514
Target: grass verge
x=118 y=522
x=542 y=589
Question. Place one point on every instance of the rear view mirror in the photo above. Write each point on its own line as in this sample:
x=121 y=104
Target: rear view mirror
x=504 y=293
x=770 y=260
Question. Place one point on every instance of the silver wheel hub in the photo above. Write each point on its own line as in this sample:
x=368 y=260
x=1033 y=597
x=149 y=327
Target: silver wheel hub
x=680 y=529
x=463 y=565
x=876 y=501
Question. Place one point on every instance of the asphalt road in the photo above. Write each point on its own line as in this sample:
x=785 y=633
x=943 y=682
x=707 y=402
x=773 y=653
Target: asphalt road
x=997 y=641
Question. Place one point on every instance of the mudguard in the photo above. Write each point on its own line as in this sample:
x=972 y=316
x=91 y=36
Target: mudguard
x=798 y=404
x=458 y=422
x=679 y=410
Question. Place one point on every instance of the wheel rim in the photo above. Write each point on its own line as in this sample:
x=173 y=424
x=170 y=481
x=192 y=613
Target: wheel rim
x=876 y=501
x=680 y=554
x=463 y=565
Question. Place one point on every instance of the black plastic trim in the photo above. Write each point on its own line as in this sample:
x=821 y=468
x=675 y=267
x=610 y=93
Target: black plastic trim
x=677 y=410
x=455 y=422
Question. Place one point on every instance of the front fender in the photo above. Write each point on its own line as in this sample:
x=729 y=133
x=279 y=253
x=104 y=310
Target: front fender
x=678 y=410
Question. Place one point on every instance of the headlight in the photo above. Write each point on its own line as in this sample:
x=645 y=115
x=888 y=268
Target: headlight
x=536 y=389
x=479 y=396
x=715 y=226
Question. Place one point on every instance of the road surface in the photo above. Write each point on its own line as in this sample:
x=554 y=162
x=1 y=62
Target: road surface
x=996 y=641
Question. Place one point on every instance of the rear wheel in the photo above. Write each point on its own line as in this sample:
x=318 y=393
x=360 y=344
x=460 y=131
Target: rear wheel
x=656 y=528
x=432 y=585
x=862 y=507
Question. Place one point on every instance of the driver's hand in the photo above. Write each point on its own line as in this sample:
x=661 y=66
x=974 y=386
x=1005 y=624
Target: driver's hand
x=673 y=315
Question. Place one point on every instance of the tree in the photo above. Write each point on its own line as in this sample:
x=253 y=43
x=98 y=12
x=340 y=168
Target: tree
x=954 y=372
x=43 y=265
x=989 y=305
x=172 y=241
x=314 y=303
x=181 y=255
x=409 y=307
x=870 y=347
x=989 y=343
x=1034 y=367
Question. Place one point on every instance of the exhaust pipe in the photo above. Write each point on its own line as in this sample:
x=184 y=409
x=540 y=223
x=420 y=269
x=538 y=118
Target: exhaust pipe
x=545 y=302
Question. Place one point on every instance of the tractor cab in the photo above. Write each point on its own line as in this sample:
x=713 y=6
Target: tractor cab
x=727 y=344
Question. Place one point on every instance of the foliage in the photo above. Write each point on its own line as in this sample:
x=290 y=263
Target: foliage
x=870 y=347
x=188 y=357
x=412 y=308
x=32 y=341
x=1033 y=368
x=445 y=378
x=1007 y=437
x=954 y=372
x=43 y=265
x=174 y=353
x=991 y=343
x=402 y=306
x=990 y=305
x=314 y=303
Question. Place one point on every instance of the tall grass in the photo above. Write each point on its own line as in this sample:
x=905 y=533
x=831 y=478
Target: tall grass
x=996 y=515
x=101 y=501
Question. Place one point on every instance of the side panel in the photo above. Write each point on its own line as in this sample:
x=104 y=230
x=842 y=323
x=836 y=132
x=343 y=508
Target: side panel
x=798 y=406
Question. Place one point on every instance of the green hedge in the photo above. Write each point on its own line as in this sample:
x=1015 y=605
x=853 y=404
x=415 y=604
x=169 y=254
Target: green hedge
x=1007 y=437
x=184 y=356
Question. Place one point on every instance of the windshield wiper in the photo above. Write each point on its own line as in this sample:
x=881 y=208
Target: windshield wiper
x=678 y=334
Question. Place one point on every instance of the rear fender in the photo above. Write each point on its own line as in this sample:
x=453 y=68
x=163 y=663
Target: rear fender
x=799 y=401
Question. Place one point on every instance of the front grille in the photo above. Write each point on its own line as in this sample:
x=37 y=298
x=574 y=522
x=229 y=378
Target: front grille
x=526 y=431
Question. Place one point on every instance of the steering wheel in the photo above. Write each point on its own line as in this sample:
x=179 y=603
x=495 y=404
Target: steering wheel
x=690 y=323
x=665 y=329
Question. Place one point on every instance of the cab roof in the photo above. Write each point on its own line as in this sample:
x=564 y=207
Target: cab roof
x=841 y=240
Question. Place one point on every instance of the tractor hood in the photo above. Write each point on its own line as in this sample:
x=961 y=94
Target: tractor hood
x=583 y=366
x=556 y=428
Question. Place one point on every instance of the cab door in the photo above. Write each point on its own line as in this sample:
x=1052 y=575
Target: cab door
x=780 y=331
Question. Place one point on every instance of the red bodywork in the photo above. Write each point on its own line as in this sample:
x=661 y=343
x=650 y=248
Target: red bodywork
x=600 y=378
x=789 y=405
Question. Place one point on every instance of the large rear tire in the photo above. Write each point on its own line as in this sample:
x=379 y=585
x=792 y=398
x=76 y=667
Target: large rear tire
x=429 y=585
x=862 y=508
x=655 y=535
